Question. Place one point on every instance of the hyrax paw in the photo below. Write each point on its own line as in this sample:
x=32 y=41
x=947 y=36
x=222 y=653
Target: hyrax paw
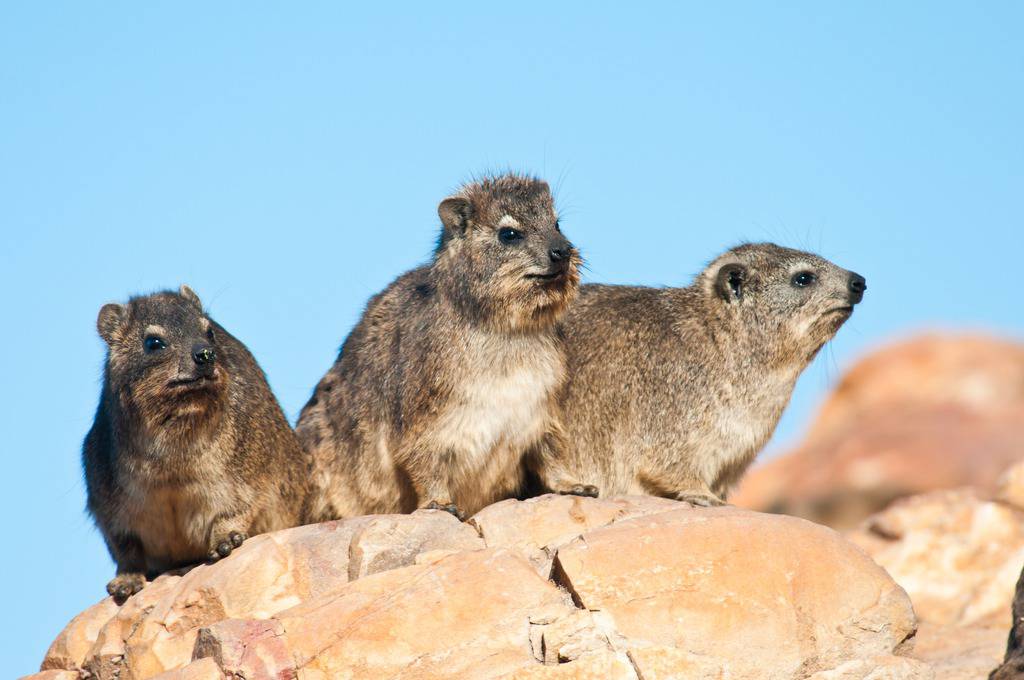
x=447 y=507
x=704 y=500
x=225 y=546
x=588 y=490
x=124 y=586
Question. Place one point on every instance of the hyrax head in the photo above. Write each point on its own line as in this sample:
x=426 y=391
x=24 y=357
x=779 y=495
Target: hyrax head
x=792 y=301
x=502 y=254
x=163 y=359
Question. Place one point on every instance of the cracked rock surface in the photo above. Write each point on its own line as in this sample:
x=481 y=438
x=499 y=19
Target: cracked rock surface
x=553 y=587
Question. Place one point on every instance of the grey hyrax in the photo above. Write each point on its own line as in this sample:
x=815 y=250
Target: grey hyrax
x=189 y=453
x=451 y=375
x=672 y=392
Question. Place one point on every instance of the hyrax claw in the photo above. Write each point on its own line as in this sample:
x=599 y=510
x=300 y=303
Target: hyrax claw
x=226 y=546
x=447 y=507
x=123 y=586
x=587 y=490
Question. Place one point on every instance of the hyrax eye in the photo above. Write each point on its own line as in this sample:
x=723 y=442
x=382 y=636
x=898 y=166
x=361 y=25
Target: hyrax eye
x=508 y=235
x=803 y=279
x=558 y=226
x=209 y=333
x=154 y=344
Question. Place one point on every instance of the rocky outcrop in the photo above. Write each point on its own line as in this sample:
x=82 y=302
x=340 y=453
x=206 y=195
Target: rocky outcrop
x=935 y=412
x=552 y=587
x=958 y=554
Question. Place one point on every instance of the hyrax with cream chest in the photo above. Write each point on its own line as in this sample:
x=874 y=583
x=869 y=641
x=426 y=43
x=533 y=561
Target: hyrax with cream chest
x=673 y=391
x=450 y=377
x=189 y=453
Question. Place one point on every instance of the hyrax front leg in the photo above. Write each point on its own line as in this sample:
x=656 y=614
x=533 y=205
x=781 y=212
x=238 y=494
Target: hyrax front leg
x=227 y=533
x=438 y=498
x=554 y=471
x=131 y=566
x=433 y=493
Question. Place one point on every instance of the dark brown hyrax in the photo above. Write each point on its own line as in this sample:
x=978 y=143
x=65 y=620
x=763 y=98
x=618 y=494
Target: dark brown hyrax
x=189 y=453
x=452 y=372
x=673 y=391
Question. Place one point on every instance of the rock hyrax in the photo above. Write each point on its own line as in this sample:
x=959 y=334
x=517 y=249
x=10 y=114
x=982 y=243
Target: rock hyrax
x=189 y=453
x=673 y=391
x=451 y=375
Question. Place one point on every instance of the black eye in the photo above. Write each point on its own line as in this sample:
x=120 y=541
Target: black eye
x=209 y=333
x=153 y=343
x=804 y=279
x=507 y=235
x=558 y=226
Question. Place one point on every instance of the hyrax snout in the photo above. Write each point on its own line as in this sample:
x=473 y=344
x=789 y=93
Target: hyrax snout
x=450 y=377
x=673 y=391
x=189 y=452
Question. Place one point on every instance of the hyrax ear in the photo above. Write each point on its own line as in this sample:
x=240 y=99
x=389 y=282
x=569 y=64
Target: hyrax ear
x=730 y=282
x=110 y=321
x=190 y=295
x=455 y=212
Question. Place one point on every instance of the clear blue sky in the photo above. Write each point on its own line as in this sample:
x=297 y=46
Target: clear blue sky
x=286 y=161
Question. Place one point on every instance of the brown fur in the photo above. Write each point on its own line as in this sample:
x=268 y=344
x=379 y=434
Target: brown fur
x=185 y=459
x=674 y=391
x=451 y=374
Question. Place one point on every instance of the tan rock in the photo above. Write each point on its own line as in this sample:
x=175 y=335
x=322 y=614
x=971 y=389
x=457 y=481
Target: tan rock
x=53 y=674
x=935 y=412
x=536 y=527
x=106 y=660
x=603 y=665
x=656 y=662
x=246 y=649
x=465 y=616
x=392 y=541
x=71 y=647
x=764 y=597
x=956 y=554
x=204 y=669
x=1011 y=486
x=567 y=637
x=879 y=668
x=978 y=372
x=662 y=590
x=317 y=557
x=959 y=652
x=156 y=630
x=431 y=556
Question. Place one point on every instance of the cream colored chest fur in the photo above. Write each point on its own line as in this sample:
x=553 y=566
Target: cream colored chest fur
x=501 y=399
x=742 y=423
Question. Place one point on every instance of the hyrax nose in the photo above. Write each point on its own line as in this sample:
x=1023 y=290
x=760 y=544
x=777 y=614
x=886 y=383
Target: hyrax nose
x=857 y=286
x=559 y=250
x=203 y=355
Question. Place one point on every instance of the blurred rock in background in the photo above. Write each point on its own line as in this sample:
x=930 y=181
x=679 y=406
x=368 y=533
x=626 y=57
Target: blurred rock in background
x=933 y=412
